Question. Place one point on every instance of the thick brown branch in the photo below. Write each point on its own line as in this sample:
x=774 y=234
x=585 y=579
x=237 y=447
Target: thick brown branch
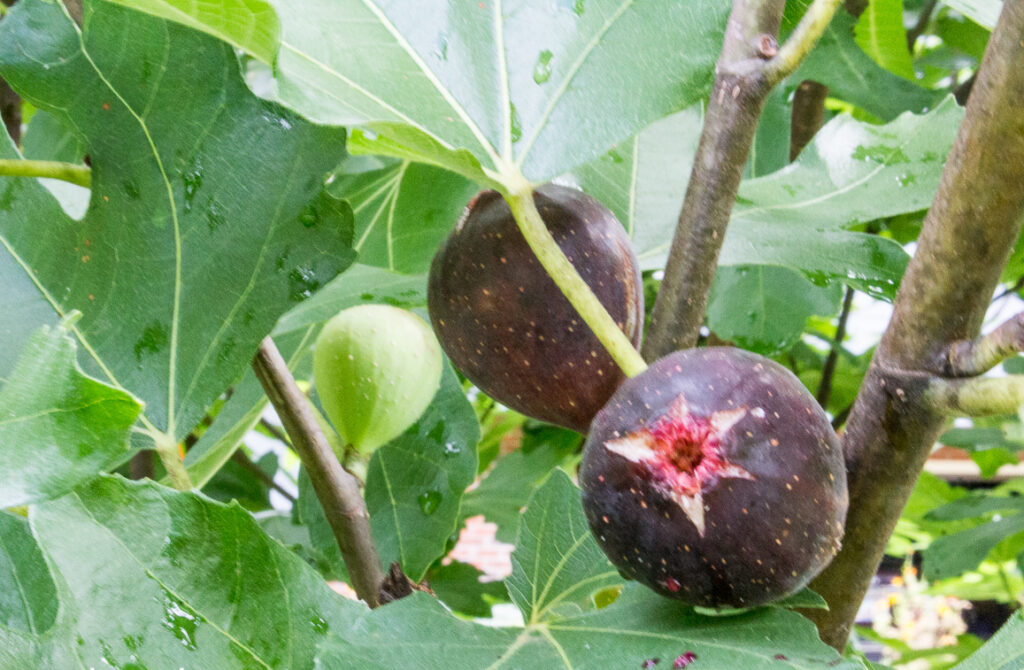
x=337 y=491
x=966 y=239
x=734 y=108
x=967 y=358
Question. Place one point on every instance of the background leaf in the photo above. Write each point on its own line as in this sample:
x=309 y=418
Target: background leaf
x=1004 y=651
x=764 y=308
x=953 y=554
x=58 y=427
x=639 y=626
x=414 y=486
x=850 y=74
x=881 y=35
x=242 y=411
x=182 y=228
x=415 y=483
x=851 y=173
x=458 y=586
x=505 y=489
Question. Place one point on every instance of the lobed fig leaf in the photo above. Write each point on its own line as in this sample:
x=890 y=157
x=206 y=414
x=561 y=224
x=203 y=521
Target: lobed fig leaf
x=376 y=368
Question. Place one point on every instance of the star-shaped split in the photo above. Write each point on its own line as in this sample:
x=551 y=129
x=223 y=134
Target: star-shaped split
x=684 y=454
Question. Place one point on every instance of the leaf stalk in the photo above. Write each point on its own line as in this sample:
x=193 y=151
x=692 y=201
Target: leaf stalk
x=80 y=175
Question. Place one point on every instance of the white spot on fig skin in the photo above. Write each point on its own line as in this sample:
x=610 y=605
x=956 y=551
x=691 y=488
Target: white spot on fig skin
x=757 y=412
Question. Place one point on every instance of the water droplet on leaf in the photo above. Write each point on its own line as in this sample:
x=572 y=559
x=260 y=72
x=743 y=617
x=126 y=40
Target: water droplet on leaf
x=429 y=501
x=515 y=124
x=542 y=70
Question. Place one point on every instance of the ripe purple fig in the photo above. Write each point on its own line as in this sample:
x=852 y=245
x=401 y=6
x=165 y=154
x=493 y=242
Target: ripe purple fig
x=715 y=478
x=506 y=325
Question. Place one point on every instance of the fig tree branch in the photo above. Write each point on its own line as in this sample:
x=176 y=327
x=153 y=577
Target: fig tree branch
x=807 y=117
x=967 y=358
x=337 y=491
x=976 y=397
x=243 y=461
x=828 y=370
x=76 y=174
x=750 y=64
x=964 y=243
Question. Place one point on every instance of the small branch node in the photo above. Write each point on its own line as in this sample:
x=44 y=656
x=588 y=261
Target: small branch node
x=767 y=46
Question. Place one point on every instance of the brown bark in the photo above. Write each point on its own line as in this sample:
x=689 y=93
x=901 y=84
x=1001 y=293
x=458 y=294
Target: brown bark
x=808 y=115
x=966 y=239
x=337 y=490
x=737 y=98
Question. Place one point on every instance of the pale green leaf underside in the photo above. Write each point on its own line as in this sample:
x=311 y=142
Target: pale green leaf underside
x=528 y=83
x=403 y=211
x=983 y=12
x=250 y=25
x=852 y=173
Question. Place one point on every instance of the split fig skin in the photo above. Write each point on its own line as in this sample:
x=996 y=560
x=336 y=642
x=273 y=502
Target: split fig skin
x=715 y=478
x=506 y=325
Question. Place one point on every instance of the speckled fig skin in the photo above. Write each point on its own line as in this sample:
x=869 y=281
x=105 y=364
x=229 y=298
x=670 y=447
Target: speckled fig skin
x=506 y=325
x=773 y=515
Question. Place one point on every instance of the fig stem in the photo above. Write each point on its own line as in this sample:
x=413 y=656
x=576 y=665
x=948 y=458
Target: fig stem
x=565 y=276
x=966 y=358
x=166 y=447
x=975 y=397
x=69 y=172
x=337 y=490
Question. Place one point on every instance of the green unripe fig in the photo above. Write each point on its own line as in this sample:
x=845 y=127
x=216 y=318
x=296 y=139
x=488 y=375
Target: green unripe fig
x=376 y=368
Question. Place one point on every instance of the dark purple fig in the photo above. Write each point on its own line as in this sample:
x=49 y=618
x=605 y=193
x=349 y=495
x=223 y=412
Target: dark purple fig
x=506 y=325
x=714 y=477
